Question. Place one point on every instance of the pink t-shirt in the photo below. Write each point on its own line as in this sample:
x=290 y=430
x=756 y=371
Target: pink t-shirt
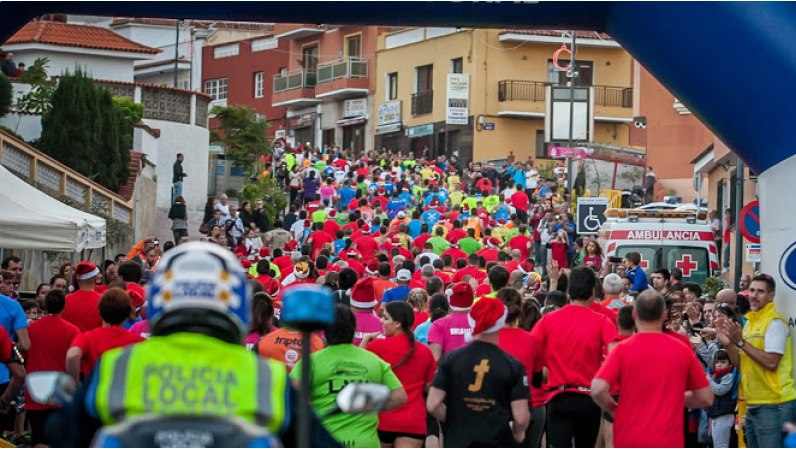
x=140 y=328
x=452 y=332
x=327 y=192
x=251 y=340
x=367 y=322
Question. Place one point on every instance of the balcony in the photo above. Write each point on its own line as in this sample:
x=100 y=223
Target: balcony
x=526 y=99
x=295 y=89
x=343 y=78
x=422 y=102
x=301 y=31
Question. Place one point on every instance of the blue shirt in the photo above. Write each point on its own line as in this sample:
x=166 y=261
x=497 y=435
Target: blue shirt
x=421 y=332
x=339 y=245
x=639 y=278
x=346 y=195
x=414 y=228
x=398 y=293
x=394 y=206
x=12 y=318
x=517 y=176
x=543 y=191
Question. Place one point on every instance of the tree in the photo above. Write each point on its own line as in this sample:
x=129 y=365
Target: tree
x=5 y=95
x=86 y=131
x=243 y=136
x=39 y=99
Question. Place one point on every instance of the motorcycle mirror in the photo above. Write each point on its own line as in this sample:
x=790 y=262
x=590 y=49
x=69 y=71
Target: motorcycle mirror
x=362 y=397
x=50 y=387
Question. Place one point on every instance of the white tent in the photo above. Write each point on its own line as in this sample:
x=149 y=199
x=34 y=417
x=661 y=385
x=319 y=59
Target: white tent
x=31 y=219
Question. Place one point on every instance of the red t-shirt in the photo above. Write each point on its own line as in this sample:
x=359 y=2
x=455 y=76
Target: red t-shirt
x=96 y=342
x=455 y=254
x=483 y=289
x=520 y=200
x=414 y=374
x=137 y=301
x=455 y=235
x=331 y=227
x=472 y=271
x=420 y=241
x=444 y=277
x=356 y=266
x=559 y=253
x=484 y=184
x=379 y=201
x=50 y=338
x=521 y=242
x=650 y=413
x=611 y=314
x=490 y=254
x=677 y=335
x=367 y=246
x=573 y=339
x=283 y=262
x=521 y=345
x=269 y=284
x=82 y=309
x=319 y=238
x=420 y=318
x=512 y=265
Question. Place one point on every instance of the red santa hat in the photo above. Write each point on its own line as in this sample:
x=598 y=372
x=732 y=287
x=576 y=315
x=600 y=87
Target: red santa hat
x=372 y=267
x=351 y=253
x=492 y=242
x=466 y=207
x=508 y=200
x=501 y=221
x=332 y=213
x=86 y=270
x=396 y=241
x=526 y=267
x=246 y=263
x=366 y=229
x=265 y=252
x=291 y=245
x=460 y=296
x=492 y=223
x=363 y=295
x=307 y=223
x=381 y=190
x=487 y=316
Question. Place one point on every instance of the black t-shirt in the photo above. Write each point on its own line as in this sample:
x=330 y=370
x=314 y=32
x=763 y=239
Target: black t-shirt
x=480 y=381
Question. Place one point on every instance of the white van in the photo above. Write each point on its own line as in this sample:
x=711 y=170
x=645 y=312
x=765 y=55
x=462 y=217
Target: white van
x=665 y=239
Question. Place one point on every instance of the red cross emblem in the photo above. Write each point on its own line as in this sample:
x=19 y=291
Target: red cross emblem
x=687 y=265
x=643 y=263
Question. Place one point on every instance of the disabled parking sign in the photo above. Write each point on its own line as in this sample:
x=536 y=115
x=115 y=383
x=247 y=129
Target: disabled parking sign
x=590 y=214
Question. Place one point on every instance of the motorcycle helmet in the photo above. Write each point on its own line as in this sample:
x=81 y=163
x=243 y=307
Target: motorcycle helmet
x=199 y=287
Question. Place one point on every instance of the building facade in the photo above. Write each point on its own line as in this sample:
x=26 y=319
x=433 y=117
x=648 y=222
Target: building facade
x=327 y=84
x=511 y=76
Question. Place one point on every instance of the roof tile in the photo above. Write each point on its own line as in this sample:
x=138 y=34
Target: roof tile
x=72 y=35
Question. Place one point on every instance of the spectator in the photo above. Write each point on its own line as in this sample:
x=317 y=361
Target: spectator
x=8 y=67
x=761 y=350
x=635 y=273
x=177 y=177
x=178 y=214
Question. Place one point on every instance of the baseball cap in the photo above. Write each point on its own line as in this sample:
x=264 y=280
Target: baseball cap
x=404 y=275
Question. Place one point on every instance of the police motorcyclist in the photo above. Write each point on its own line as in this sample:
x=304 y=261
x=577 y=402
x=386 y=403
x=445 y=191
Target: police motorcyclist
x=194 y=363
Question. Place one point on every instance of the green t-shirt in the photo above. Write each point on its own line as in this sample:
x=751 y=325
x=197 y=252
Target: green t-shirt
x=333 y=368
x=290 y=161
x=491 y=202
x=471 y=201
x=512 y=232
x=469 y=245
x=456 y=198
x=320 y=166
x=439 y=244
x=319 y=216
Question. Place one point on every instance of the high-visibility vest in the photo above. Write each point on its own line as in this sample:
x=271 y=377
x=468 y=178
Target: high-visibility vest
x=761 y=386
x=187 y=373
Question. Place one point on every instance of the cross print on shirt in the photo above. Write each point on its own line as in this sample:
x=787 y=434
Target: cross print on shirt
x=687 y=265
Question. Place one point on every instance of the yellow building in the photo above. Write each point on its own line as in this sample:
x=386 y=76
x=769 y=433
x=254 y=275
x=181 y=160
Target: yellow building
x=510 y=74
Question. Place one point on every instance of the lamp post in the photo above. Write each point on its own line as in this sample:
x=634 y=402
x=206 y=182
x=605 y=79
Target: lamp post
x=572 y=73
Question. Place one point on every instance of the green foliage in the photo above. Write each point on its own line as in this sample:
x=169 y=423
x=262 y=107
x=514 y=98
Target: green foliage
x=39 y=99
x=242 y=135
x=5 y=95
x=12 y=132
x=546 y=169
x=712 y=286
x=266 y=188
x=86 y=131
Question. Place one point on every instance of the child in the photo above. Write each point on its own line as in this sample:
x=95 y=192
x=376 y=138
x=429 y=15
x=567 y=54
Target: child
x=559 y=245
x=724 y=383
x=593 y=257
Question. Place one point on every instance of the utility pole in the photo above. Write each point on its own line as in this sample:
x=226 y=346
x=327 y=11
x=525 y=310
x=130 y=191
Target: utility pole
x=572 y=73
x=739 y=182
x=176 y=53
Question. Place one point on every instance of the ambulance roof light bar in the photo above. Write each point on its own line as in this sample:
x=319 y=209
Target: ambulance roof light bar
x=633 y=215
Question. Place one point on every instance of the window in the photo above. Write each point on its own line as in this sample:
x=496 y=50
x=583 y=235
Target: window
x=264 y=44
x=309 y=58
x=392 y=86
x=226 y=51
x=457 y=65
x=734 y=208
x=541 y=148
x=258 y=85
x=425 y=78
x=585 y=73
x=283 y=71
x=353 y=45
x=216 y=88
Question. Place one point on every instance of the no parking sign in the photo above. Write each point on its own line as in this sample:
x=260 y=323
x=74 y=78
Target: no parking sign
x=749 y=221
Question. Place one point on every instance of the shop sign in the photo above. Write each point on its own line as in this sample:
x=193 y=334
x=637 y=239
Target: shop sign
x=420 y=131
x=390 y=113
x=458 y=96
x=355 y=107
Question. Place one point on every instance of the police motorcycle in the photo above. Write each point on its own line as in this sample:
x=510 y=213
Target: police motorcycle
x=179 y=431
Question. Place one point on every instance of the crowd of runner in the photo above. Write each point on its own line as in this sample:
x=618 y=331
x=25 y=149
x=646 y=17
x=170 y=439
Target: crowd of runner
x=465 y=290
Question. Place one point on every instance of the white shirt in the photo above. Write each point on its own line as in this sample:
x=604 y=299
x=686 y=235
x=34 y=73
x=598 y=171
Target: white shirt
x=297 y=228
x=508 y=192
x=776 y=337
x=224 y=208
x=531 y=181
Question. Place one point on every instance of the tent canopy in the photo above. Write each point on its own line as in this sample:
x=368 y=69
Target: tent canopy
x=31 y=219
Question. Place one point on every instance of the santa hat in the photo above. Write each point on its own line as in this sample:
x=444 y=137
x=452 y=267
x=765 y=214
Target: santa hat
x=332 y=213
x=351 y=253
x=381 y=190
x=246 y=264
x=487 y=316
x=291 y=245
x=508 y=200
x=86 y=270
x=396 y=241
x=482 y=215
x=501 y=221
x=460 y=296
x=363 y=295
x=302 y=270
x=307 y=223
x=366 y=229
x=526 y=267
x=265 y=252
x=492 y=223
x=466 y=207
x=493 y=242
x=372 y=267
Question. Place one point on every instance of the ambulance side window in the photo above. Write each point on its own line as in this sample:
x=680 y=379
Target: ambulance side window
x=693 y=261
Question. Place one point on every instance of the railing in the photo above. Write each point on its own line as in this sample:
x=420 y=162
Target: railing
x=511 y=90
x=422 y=102
x=60 y=181
x=294 y=80
x=613 y=96
x=343 y=68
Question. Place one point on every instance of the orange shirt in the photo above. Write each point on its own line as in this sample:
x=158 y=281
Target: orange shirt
x=382 y=285
x=284 y=345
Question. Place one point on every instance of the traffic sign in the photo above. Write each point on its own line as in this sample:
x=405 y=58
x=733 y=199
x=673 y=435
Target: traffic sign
x=749 y=221
x=590 y=214
x=787 y=266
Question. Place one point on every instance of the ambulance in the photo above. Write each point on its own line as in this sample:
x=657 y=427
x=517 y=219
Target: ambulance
x=664 y=239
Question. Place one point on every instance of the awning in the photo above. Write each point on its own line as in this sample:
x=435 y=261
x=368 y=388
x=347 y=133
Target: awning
x=352 y=121
x=388 y=129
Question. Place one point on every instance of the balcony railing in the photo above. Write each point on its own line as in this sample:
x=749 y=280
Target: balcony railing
x=343 y=68
x=613 y=96
x=511 y=90
x=422 y=102
x=294 y=80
